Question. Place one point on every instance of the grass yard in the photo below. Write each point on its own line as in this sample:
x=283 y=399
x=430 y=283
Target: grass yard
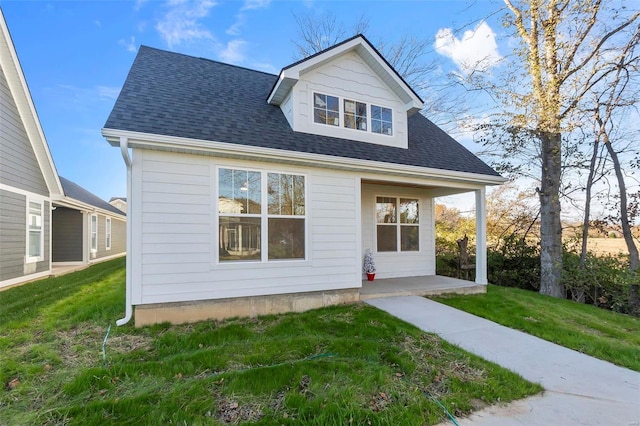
x=597 y=332
x=333 y=366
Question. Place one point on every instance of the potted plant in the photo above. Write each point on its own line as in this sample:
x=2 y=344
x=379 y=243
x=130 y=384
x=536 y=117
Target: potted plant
x=369 y=267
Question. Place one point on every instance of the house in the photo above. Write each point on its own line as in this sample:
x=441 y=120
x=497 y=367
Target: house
x=119 y=203
x=85 y=228
x=45 y=220
x=251 y=193
x=28 y=177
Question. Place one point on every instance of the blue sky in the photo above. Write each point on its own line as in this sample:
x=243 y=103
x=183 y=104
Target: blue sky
x=76 y=54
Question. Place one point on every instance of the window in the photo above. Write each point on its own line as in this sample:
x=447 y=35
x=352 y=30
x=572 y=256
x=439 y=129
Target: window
x=239 y=208
x=355 y=115
x=286 y=212
x=107 y=237
x=397 y=224
x=245 y=209
x=93 y=230
x=326 y=109
x=35 y=240
x=381 y=120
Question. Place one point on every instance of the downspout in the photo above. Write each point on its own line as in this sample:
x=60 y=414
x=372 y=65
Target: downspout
x=124 y=149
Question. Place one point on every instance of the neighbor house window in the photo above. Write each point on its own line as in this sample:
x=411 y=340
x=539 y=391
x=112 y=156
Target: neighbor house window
x=397 y=224
x=326 y=109
x=93 y=230
x=35 y=241
x=355 y=115
x=381 y=120
x=250 y=202
x=108 y=234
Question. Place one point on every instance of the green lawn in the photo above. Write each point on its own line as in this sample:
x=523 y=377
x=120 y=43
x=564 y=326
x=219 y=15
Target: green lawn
x=333 y=366
x=597 y=332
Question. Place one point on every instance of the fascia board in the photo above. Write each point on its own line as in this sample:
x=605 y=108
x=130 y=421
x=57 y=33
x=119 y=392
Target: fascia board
x=22 y=96
x=231 y=150
x=72 y=203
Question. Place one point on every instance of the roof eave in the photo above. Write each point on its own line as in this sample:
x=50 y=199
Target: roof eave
x=179 y=144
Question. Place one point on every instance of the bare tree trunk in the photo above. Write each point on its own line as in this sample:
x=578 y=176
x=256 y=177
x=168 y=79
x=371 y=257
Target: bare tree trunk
x=634 y=261
x=550 y=225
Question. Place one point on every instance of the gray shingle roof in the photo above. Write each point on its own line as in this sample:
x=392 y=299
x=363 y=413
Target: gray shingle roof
x=75 y=191
x=172 y=94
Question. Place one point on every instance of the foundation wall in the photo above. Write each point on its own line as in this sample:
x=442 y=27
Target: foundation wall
x=185 y=312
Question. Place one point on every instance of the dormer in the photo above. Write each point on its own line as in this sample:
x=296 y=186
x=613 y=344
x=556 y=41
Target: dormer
x=348 y=91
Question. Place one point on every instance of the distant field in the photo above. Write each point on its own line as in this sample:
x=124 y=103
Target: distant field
x=607 y=245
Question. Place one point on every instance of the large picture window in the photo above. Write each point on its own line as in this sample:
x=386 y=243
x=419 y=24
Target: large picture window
x=35 y=241
x=245 y=209
x=397 y=224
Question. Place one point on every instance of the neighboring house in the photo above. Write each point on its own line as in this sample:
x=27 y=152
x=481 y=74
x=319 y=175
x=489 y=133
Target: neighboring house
x=86 y=229
x=251 y=193
x=44 y=219
x=119 y=203
x=28 y=178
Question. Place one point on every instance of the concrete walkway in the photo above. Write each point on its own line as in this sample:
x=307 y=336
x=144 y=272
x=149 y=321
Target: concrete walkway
x=579 y=389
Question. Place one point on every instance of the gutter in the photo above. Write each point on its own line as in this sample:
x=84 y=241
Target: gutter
x=124 y=149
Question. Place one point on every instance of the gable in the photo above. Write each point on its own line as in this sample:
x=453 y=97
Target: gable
x=18 y=91
x=19 y=166
x=349 y=79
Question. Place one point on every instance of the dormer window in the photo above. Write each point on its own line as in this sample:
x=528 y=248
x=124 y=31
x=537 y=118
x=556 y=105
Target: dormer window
x=381 y=121
x=352 y=114
x=326 y=109
x=355 y=115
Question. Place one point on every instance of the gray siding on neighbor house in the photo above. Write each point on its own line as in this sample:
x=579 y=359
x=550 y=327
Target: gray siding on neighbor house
x=13 y=237
x=18 y=164
x=66 y=234
x=13 y=234
x=118 y=237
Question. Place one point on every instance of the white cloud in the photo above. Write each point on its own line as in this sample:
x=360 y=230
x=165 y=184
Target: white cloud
x=182 y=21
x=130 y=44
x=475 y=50
x=264 y=66
x=234 y=30
x=234 y=52
x=255 y=4
x=106 y=92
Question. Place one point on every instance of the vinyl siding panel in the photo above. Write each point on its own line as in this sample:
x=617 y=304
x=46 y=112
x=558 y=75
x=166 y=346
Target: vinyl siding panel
x=19 y=167
x=175 y=243
x=118 y=237
x=12 y=234
x=399 y=264
x=67 y=239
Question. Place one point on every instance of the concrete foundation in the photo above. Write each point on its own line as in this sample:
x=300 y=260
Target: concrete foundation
x=185 y=312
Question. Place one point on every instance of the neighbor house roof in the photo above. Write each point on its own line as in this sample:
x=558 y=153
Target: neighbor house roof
x=78 y=193
x=171 y=94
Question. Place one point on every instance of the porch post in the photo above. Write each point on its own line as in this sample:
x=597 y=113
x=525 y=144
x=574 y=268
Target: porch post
x=481 y=237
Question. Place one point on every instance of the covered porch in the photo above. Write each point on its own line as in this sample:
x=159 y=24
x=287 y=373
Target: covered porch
x=428 y=285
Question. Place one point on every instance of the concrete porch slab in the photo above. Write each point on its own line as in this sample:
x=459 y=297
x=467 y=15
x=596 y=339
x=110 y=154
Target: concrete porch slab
x=428 y=285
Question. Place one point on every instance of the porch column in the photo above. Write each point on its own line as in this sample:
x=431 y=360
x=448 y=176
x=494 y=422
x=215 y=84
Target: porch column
x=481 y=237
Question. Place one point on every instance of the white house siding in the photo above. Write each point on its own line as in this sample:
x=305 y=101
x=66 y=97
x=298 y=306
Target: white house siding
x=348 y=76
x=399 y=264
x=175 y=242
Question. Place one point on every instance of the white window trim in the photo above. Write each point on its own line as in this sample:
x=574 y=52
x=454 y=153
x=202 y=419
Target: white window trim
x=93 y=250
x=107 y=234
x=33 y=259
x=341 y=113
x=398 y=225
x=264 y=220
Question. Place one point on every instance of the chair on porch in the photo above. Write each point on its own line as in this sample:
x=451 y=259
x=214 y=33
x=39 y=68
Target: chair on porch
x=464 y=267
